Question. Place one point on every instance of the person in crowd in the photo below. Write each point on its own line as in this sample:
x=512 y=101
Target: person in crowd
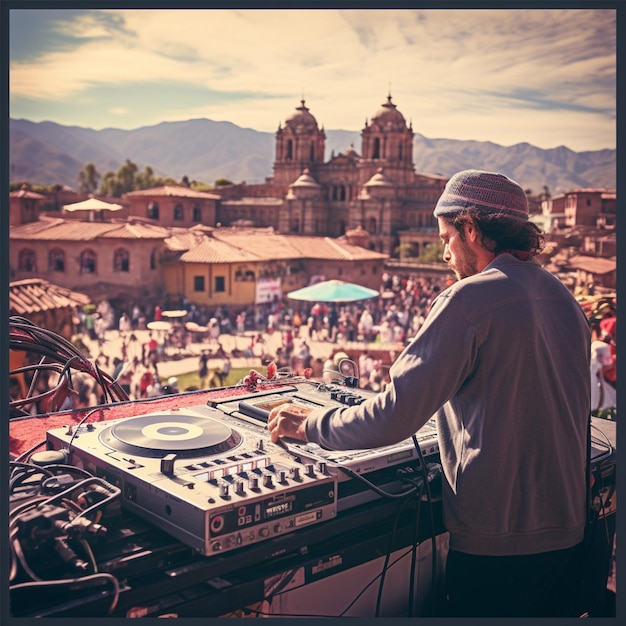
x=134 y=317
x=502 y=362
x=297 y=323
x=124 y=325
x=224 y=371
x=152 y=346
x=203 y=369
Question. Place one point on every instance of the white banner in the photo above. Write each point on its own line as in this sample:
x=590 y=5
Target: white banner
x=268 y=290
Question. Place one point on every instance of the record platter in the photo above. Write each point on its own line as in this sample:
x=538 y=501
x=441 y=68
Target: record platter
x=213 y=481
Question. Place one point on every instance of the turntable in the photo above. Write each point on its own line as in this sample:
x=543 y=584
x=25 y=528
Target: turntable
x=158 y=435
x=211 y=480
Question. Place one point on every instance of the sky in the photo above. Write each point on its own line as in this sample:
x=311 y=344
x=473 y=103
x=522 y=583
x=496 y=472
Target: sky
x=542 y=76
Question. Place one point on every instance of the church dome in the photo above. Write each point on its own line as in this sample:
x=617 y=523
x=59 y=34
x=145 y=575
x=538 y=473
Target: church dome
x=388 y=117
x=301 y=121
x=305 y=180
x=379 y=180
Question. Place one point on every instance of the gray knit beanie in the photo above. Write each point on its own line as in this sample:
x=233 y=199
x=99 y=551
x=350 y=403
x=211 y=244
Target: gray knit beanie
x=489 y=192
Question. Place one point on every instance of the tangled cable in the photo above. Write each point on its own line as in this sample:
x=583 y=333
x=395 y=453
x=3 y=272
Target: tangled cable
x=58 y=356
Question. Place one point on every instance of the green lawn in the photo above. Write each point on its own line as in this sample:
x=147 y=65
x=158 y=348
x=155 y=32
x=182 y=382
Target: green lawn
x=192 y=379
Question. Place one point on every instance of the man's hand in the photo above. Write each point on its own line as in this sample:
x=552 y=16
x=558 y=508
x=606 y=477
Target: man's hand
x=287 y=420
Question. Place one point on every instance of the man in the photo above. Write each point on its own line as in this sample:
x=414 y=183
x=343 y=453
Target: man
x=502 y=360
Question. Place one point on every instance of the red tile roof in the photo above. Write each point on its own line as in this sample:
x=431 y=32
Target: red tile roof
x=594 y=265
x=34 y=294
x=266 y=244
x=56 y=228
x=172 y=190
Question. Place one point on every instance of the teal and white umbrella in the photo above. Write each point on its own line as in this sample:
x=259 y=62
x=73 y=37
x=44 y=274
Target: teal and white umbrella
x=333 y=291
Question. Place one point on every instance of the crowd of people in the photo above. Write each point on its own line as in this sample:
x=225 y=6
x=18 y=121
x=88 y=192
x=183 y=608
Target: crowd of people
x=280 y=331
x=369 y=332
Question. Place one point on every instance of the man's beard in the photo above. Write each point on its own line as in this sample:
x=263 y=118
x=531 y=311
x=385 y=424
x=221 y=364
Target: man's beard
x=466 y=264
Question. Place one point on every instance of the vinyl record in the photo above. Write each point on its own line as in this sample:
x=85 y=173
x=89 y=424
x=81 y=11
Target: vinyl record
x=159 y=435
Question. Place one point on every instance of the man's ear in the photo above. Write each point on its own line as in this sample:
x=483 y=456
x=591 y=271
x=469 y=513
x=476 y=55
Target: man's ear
x=471 y=231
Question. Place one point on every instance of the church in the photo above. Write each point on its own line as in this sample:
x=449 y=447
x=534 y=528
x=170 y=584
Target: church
x=376 y=192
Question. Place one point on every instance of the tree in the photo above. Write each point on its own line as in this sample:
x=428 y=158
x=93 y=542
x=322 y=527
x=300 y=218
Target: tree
x=146 y=179
x=126 y=176
x=432 y=253
x=110 y=185
x=88 y=179
x=223 y=182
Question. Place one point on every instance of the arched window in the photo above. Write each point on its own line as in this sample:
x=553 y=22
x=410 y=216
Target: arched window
x=312 y=153
x=88 y=262
x=153 y=259
x=56 y=260
x=153 y=210
x=371 y=226
x=178 y=213
x=197 y=214
x=289 y=150
x=376 y=150
x=121 y=260
x=400 y=151
x=27 y=261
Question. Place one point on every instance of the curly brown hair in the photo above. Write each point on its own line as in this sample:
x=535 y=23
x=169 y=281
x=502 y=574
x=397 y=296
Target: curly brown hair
x=499 y=233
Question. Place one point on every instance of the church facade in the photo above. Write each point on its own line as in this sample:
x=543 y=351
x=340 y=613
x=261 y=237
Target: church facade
x=377 y=190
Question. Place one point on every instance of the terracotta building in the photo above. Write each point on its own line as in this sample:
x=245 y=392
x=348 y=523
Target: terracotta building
x=24 y=206
x=172 y=205
x=115 y=259
x=579 y=207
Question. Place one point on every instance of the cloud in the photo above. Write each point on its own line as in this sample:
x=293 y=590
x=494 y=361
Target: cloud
x=255 y=65
x=118 y=110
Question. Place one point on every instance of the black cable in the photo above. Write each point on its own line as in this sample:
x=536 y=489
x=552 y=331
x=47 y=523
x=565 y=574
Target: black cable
x=432 y=520
x=414 y=545
x=372 y=486
x=26 y=336
x=80 y=423
x=77 y=583
x=389 y=549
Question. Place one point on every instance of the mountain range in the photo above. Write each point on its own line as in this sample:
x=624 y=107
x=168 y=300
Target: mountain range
x=45 y=153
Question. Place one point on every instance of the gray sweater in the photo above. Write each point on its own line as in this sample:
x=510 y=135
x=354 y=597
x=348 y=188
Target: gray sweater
x=502 y=361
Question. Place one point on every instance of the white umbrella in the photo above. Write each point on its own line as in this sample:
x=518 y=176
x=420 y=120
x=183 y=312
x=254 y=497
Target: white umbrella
x=92 y=204
x=174 y=314
x=159 y=325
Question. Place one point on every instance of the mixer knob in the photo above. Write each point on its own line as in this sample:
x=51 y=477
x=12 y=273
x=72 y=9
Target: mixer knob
x=268 y=481
x=239 y=488
x=282 y=476
x=254 y=483
x=223 y=491
x=321 y=466
x=295 y=473
x=310 y=470
x=260 y=445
